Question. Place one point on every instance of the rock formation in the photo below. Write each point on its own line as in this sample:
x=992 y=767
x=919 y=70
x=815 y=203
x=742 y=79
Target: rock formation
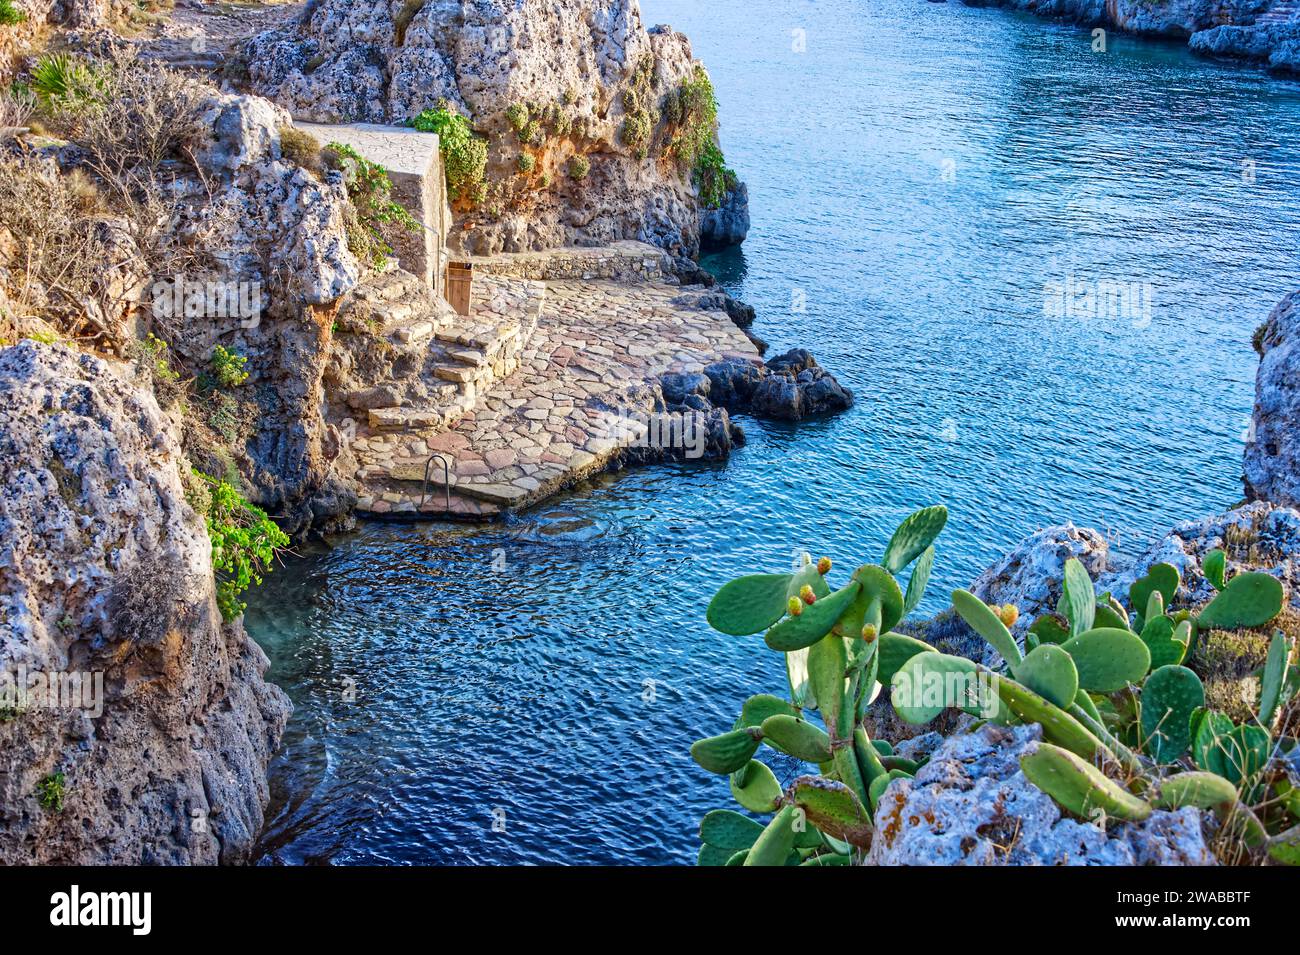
x=106 y=573
x=1272 y=459
x=1243 y=29
x=972 y=805
x=581 y=107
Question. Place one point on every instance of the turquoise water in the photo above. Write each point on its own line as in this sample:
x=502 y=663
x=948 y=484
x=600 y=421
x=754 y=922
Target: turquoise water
x=922 y=177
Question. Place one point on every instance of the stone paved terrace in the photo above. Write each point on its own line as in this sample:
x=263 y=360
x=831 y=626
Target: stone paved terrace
x=556 y=419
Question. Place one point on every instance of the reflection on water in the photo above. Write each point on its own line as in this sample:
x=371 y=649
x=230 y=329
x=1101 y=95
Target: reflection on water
x=920 y=177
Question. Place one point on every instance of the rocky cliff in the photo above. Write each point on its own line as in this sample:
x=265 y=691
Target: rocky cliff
x=1259 y=30
x=155 y=747
x=596 y=128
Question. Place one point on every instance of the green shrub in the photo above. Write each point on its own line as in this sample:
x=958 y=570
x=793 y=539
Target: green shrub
x=527 y=163
x=9 y=14
x=636 y=132
x=579 y=167
x=693 y=110
x=711 y=176
x=228 y=368
x=245 y=542
x=50 y=792
x=371 y=194
x=463 y=154
x=62 y=81
x=517 y=116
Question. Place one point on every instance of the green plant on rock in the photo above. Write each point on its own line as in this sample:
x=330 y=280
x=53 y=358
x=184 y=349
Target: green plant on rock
x=64 y=82
x=579 y=167
x=834 y=646
x=712 y=178
x=463 y=154
x=50 y=792
x=526 y=163
x=228 y=367
x=245 y=542
x=1125 y=722
x=10 y=15
x=371 y=194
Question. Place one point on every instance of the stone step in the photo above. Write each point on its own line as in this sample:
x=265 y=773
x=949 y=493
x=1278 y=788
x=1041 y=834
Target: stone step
x=503 y=495
x=486 y=338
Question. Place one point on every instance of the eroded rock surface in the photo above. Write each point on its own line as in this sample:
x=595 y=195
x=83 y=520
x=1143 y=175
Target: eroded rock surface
x=972 y=805
x=594 y=80
x=105 y=569
x=1271 y=464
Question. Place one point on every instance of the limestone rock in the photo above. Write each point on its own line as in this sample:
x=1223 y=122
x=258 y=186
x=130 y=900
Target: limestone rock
x=1277 y=45
x=1272 y=459
x=105 y=569
x=972 y=805
x=584 y=66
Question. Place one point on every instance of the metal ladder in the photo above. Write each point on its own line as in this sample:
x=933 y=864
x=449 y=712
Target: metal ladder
x=446 y=482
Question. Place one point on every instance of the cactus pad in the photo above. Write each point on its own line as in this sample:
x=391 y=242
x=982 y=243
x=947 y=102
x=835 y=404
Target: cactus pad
x=1249 y=600
x=1079 y=786
x=1108 y=659
x=913 y=536
x=1170 y=696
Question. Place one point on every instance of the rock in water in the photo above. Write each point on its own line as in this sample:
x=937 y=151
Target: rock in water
x=972 y=805
x=1272 y=459
x=729 y=223
x=546 y=82
x=106 y=570
x=789 y=387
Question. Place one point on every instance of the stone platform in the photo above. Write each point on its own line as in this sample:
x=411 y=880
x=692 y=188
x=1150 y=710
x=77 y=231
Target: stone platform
x=561 y=415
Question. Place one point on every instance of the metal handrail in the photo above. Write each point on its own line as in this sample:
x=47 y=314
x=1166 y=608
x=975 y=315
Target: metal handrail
x=446 y=482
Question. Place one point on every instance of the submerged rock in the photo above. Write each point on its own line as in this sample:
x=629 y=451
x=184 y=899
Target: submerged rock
x=106 y=575
x=972 y=805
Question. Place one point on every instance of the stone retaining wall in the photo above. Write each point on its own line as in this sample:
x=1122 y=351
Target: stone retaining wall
x=625 y=262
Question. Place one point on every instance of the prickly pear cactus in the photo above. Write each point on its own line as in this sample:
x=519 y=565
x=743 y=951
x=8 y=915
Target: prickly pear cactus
x=833 y=639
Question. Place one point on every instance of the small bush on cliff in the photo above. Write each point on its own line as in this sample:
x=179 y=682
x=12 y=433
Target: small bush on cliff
x=527 y=163
x=579 y=167
x=371 y=194
x=245 y=542
x=711 y=176
x=9 y=14
x=302 y=148
x=228 y=368
x=463 y=154
x=50 y=792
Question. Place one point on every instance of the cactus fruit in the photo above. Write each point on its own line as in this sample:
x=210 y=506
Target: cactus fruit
x=1215 y=568
x=1079 y=786
x=869 y=632
x=1249 y=600
x=1199 y=789
x=833 y=808
x=797 y=738
x=913 y=536
x=755 y=787
x=1108 y=659
x=1170 y=696
x=1159 y=577
x=806 y=594
x=824 y=566
x=919 y=580
x=727 y=752
x=987 y=624
x=795 y=633
x=773 y=847
x=794 y=606
x=1050 y=672
x=1008 y=614
x=729 y=830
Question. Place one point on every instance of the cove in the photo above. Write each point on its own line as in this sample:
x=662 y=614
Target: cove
x=923 y=178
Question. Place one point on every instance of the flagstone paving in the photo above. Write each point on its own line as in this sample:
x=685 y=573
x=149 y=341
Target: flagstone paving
x=562 y=414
